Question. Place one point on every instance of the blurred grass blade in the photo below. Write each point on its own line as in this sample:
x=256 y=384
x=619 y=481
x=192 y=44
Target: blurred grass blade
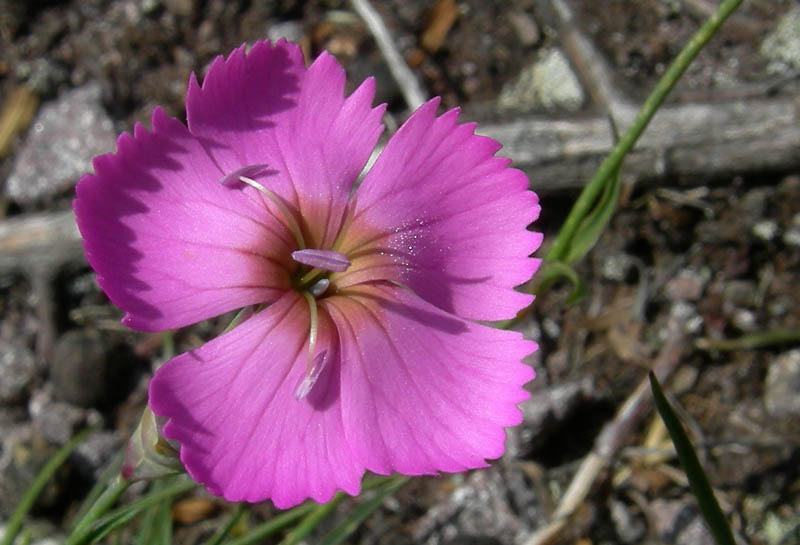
x=223 y=531
x=698 y=481
x=101 y=528
x=595 y=223
x=111 y=470
x=312 y=520
x=42 y=478
x=273 y=525
x=357 y=517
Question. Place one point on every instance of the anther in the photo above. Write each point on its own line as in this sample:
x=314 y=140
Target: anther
x=319 y=287
x=327 y=260
x=313 y=372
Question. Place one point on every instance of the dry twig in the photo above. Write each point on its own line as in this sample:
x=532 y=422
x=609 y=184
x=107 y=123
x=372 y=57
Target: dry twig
x=409 y=85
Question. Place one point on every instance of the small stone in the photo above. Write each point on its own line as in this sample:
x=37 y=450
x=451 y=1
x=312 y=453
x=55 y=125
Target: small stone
x=783 y=384
x=290 y=30
x=687 y=285
x=549 y=83
x=92 y=455
x=630 y=528
x=792 y=235
x=18 y=371
x=782 y=46
x=765 y=230
x=56 y=421
x=78 y=369
x=616 y=267
x=525 y=27
x=63 y=138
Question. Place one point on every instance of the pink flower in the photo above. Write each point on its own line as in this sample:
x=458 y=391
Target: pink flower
x=362 y=353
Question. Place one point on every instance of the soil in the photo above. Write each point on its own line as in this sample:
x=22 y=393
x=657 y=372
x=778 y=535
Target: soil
x=721 y=259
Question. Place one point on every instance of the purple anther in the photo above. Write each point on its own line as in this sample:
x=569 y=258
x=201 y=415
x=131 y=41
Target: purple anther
x=322 y=259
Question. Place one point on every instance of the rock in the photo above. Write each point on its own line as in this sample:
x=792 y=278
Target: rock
x=78 y=368
x=680 y=523
x=525 y=27
x=549 y=83
x=64 y=137
x=782 y=46
x=629 y=527
x=688 y=284
x=92 y=455
x=782 y=385
x=792 y=235
x=56 y=421
x=292 y=31
x=18 y=371
x=487 y=507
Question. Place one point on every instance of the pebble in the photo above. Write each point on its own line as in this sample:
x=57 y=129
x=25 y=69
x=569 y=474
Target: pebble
x=18 y=371
x=60 y=144
x=783 y=384
x=782 y=46
x=687 y=285
x=92 y=455
x=549 y=83
x=526 y=28
x=55 y=420
x=78 y=369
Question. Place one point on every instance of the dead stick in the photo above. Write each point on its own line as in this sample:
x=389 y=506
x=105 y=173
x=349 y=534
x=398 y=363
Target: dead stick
x=406 y=80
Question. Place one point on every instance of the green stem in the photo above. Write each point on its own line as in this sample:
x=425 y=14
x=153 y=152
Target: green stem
x=99 y=508
x=41 y=480
x=751 y=341
x=589 y=194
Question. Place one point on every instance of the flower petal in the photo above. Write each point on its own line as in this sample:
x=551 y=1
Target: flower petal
x=265 y=107
x=443 y=216
x=170 y=245
x=424 y=391
x=231 y=404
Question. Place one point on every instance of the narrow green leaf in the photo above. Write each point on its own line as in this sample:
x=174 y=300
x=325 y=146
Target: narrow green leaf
x=111 y=470
x=357 y=517
x=698 y=481
x=312 y=520
x=595 y=223
x=42 y=478
x=275 y=524
x=102 y=527
x=223 y=531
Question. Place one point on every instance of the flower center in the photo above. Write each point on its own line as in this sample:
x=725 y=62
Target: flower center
x=311 y=279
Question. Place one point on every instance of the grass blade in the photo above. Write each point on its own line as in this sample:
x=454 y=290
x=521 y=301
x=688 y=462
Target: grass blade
x=357 y=517
x=698 y=481
x=42 y=478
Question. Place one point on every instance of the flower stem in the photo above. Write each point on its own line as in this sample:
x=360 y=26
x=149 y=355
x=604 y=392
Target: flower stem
x=590 y=193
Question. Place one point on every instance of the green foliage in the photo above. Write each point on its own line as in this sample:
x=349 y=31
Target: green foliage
x=698 y=481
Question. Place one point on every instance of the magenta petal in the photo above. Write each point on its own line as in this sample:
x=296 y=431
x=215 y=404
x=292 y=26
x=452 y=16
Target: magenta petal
x=423 y=391
x=439 y=213
x=265 y=107
x=231 y=405
x=170 y=245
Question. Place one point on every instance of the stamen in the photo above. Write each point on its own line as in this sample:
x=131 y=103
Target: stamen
x=312 y=375
x=314 y=365
x=240 y=175
x=322 y=259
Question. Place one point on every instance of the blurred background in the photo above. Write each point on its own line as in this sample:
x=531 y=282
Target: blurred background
x=697 y=272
